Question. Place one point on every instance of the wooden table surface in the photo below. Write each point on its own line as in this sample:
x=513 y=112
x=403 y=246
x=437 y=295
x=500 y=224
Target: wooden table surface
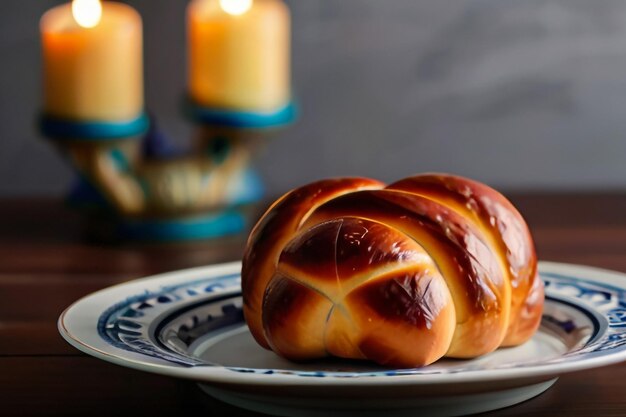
x=46 y=263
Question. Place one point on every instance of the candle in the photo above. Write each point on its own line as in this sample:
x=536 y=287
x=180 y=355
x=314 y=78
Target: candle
x=238 y=55
x=92 y=60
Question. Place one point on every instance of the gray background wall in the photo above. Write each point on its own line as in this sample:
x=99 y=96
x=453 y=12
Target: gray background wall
x=519 y=93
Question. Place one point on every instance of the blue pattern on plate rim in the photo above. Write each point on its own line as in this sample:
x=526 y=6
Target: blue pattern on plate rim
x=127 y=324
x=130 y=324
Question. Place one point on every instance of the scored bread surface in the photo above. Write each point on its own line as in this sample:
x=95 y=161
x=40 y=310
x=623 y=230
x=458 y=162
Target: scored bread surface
x=433 y=265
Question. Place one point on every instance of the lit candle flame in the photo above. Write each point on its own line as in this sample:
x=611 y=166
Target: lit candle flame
x=236 y=7
x=87 y=13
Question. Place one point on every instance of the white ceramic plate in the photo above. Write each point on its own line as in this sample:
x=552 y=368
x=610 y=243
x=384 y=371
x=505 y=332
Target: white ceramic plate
x=189 y=324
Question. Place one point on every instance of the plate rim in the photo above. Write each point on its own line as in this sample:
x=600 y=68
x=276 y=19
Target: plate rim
x=225 y=375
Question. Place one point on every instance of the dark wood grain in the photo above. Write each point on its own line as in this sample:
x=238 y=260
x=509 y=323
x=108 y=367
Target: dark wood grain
x=47 y=262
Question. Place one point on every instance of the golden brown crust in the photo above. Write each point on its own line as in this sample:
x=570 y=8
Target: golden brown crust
x=294 y=316
x=404 y=318
x=373 y=281
x=503 y=223
x=430 y=265
x=481 y=295
x=275 y=228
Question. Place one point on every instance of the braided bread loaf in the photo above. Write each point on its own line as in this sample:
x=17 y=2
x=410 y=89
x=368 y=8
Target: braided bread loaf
x=431 y=265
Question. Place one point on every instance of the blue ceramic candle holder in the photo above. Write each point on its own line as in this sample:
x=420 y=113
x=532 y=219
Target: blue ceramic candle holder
x=134 y=184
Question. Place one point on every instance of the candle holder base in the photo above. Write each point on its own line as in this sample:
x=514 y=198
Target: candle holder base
x=133 y=187
x=104 y=224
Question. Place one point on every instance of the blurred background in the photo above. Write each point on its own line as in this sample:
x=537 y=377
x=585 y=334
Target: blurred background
x=521 y=94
